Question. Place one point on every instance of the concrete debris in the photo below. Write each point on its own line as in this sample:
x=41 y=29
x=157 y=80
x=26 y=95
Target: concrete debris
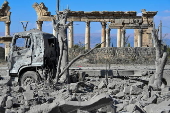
x=165 y=89
x=120 y=95
x=134 y=90
x=28 y=95
x=74 y=87
x=153 y=99
x=127 y=89
x=94 y=95
x=102 y=84
x=133 y=108
x=18 y=89
x=9 y=103
x=111 y=85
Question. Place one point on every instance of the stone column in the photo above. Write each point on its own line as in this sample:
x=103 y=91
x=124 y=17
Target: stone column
x=123 y=38
x=108 y=37
x=6 y=50
x=140 y=38
x=87 y=35
x=39 y=25
x=118 y=37
x=7 y=28
x=70 y=35
x=103 y=35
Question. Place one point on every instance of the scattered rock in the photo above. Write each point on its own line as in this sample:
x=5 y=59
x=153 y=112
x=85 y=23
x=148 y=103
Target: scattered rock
x=3 y=100
x=28 y=95
x=153 y=99
x=40 y=93
x=28 y=88
x=111 y=85
x=126 y=90
x=132 y=108
x=102 y=84
x=120 y=95
x=165 y=89
x=9 y=102
x=73 y=87
x=18 y=89
x=134 y=90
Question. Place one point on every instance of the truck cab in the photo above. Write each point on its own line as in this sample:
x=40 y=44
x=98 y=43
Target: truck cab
x=33 y=56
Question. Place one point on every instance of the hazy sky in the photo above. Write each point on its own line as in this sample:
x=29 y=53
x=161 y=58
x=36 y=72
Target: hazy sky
x=22 y=11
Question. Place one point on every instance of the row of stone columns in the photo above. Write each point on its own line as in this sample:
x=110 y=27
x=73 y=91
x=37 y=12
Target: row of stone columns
x=121 y=38
x=105 y=35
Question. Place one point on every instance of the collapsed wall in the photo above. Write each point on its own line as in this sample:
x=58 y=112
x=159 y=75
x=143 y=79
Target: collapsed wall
x=114 y=55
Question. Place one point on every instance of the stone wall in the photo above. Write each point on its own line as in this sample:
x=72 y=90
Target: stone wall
x=2 y=53
x=114 y=55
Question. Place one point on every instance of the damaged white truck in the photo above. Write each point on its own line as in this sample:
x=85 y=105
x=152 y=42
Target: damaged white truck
x=33 y=56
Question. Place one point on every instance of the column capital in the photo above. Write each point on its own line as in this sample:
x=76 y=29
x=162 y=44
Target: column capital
x=39 y=25
x=88 y=23
x=140 y=30
x=103 y=23
x=123 y=31
x=7 y=22
x=39 y=22
x=71 y=23
x=108 y=30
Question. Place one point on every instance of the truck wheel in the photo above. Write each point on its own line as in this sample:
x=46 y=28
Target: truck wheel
x=28 y=78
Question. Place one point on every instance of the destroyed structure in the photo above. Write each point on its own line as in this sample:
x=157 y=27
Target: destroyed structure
x=87 y=92
x=5 y=17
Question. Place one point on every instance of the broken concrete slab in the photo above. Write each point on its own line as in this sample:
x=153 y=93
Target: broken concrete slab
x=126 y=89
x=130 y=108
x=94 y=103
x=165 y=89
x=74 y=87
x=102 y=84
x=3 y=100
x=9 y=102
x=158 y=108
x=120 y=95
x=111 y=85
x=28 y=95
x=134 y=90
x=153 y=99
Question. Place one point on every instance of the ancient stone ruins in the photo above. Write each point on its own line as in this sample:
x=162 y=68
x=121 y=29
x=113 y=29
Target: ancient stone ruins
x=49 y=75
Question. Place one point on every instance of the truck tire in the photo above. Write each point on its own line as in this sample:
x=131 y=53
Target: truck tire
x=28 y=78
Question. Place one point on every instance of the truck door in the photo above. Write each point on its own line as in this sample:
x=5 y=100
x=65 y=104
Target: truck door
x=21 y=52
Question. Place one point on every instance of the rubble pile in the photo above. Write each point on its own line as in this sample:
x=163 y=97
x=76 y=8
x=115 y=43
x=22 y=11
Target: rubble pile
x=94 y=95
